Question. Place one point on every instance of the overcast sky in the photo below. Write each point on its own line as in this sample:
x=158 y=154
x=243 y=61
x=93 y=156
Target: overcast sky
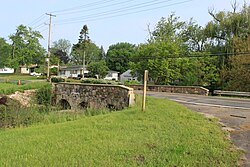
x=109 y=21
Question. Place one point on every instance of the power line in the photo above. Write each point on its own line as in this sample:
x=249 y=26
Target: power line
x=39 y=26
x=109 y=14
x=132 y=7
x=82 y=6
x=80 y=11
x=37 y=20
x=43 y=30
x=128 y=13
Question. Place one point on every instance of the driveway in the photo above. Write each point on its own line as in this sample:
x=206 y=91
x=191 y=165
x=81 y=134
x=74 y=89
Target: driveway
x=234 y=114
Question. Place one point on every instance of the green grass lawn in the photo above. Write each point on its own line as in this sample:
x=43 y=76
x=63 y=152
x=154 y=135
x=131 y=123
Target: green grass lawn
x=8 y=88
x=18 y=77
x=167 y=134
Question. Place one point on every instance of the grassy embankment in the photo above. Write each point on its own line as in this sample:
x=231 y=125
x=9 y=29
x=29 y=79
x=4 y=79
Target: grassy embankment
x=167 y=134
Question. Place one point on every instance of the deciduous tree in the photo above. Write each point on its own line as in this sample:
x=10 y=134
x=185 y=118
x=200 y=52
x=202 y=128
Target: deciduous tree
x=5 y=52
x=26 y=47
x=98 y=68
x=61 y=51
x=119 y=55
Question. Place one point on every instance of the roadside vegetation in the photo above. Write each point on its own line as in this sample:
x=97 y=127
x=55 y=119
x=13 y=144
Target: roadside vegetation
x=167 y=134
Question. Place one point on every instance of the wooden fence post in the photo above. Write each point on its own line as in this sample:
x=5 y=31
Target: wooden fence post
x=144 y=90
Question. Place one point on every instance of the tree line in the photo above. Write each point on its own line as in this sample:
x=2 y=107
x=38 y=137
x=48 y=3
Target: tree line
x=216 y=56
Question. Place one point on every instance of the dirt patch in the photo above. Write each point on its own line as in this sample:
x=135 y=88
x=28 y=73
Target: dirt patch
x=23 y=97
x=245 y=127
x=140 y=158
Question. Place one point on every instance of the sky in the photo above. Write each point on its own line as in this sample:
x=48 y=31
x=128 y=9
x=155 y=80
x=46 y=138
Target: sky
x=109 y=21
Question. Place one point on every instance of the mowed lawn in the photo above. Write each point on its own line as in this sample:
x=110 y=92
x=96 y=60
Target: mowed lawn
x=167 y=134
x=18 y=77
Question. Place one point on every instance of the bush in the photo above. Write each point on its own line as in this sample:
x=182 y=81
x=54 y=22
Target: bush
x=57 y=79
x=99 y=81
x=54 y=70
x=44 y=95
x=132 y=82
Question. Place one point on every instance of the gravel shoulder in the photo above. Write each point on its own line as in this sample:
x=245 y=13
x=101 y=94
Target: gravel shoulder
x=236 y=121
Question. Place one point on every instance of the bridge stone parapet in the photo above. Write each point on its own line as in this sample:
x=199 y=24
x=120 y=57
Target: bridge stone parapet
x=173 y=89
x=76 y=96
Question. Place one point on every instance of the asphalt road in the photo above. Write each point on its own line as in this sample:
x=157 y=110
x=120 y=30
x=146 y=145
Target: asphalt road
x=233 y=113
x=237 y=103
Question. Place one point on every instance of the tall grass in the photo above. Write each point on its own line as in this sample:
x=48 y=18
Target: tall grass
x=167 y=134
x=29 y=116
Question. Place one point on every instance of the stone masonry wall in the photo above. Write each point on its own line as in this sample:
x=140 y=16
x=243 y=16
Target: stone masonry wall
x=173 y=89
x=94 y=96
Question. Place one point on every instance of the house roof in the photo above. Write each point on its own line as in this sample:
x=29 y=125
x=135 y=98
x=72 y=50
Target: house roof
x=29 y=66
x=111 y=71
x=75 y=67
x=127 y=73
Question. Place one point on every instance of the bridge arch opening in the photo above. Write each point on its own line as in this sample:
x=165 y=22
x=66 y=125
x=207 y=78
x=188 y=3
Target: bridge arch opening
x=83 y=105
x=64 y=104
x=111 y=107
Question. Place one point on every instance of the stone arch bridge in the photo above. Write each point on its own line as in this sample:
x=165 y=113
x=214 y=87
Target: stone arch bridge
x=77 y=96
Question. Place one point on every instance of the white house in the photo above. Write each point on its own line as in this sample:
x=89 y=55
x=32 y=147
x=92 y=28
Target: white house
x=24 y=69
x=127 y=76
x=112 y=75
x=6 y=70
x=72 y=71
x=76 y=70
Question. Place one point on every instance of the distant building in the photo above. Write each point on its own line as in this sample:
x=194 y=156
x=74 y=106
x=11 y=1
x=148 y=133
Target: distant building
x=72 y=71
x=112 y=75
x=6 y=70
x=24 y=69
x=76 y=70
x=126 y=76
x=53 y=66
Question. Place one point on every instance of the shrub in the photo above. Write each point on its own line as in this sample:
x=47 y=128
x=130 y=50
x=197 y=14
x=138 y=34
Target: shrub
x=54 y=70
x=132 y=82
x=57 y=79
x=99 y=81
x=44 y=95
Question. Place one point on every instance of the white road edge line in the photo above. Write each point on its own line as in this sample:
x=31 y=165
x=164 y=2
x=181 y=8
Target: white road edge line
x=212 y=105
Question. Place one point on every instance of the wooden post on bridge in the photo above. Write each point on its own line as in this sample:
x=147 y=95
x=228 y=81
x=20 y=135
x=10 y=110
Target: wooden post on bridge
x=144 y=90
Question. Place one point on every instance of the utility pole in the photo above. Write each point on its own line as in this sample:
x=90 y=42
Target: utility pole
x=83 y=64
x=84 y=53
x=50 y=26
x=144 y=90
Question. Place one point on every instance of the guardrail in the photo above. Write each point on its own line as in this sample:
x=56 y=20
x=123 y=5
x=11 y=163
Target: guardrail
x=232 y=93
